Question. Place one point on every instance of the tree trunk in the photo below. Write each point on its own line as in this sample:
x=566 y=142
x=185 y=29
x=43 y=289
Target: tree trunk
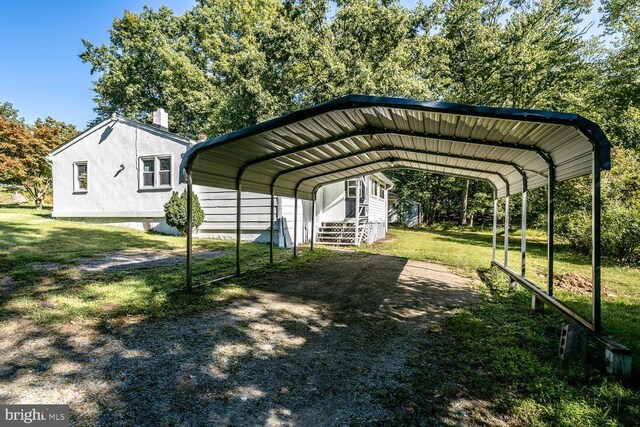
x=435 y=197
x=465 y=203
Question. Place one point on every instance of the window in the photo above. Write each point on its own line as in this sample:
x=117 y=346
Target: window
x=165 y=171
x=80 y=181
x=155 y=172
x=351 y=188
x=148 y=172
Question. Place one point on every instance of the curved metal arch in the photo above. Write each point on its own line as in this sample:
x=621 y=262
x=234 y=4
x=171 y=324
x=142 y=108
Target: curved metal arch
x=373 y=131
x=392 y=160
x=485 y=180
x=386 y=148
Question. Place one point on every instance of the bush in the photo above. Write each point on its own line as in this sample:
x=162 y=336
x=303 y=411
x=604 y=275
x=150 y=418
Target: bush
x=620 y=231
x=175 y=211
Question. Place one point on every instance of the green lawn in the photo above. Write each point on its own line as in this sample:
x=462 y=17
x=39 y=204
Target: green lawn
x=470 y=253
x=495 y=350
x=501 y=352
x=40 y=256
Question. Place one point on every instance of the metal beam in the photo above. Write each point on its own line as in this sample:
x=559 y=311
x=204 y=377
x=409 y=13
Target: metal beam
x=523 y=237
x=189 y=229
x=373 y=131
x=238 y=224
x=271 y=228
x=489 y=183
x=542 y=295
x=295 y=225
x=495 y=223
x=506 y=229
x=551 y=184
x=388 y=148
x=394 y=160
x=596 y=211
x=313 y=218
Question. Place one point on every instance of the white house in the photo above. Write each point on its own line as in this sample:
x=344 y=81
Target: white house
x=122 y=172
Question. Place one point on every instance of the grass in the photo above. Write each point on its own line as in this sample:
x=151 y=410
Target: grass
x=469 y=252
x=40 y=256
x=503 y=354
x=495 y=351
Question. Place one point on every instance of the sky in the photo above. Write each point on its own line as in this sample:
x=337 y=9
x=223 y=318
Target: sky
x=40 y=71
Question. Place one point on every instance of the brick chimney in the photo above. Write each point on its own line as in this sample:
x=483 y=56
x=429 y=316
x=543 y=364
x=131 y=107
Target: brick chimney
x=161 y=119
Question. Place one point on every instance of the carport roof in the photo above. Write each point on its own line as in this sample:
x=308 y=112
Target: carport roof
x=357 y=135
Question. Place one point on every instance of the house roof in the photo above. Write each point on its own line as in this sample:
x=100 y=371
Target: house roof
x=116 y=119
x=359 y=135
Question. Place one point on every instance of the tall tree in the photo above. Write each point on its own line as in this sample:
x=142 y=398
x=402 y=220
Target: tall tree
x=23 y=154
x=619 y=101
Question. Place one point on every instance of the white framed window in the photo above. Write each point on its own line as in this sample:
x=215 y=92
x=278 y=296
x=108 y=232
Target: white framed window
x=352 y=185
x=155 y=172
x=80 y=177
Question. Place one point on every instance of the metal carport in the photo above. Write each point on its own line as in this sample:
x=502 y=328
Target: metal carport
x=514 y=150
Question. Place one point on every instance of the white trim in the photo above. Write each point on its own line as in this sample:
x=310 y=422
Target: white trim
x=76 y=189
x=156 y=172
x=384 y=178
x=149 y=128
x=108 y=214
x=87 y=132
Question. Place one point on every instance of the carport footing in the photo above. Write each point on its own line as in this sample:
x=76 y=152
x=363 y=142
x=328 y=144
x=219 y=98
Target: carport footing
x=573 y=342
x=537 y=305
x=618 y=364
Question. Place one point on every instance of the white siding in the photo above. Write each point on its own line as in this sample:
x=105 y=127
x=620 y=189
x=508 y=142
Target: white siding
x=219 y=206
x=332 y=202
x=377 y=211
x=113 y=191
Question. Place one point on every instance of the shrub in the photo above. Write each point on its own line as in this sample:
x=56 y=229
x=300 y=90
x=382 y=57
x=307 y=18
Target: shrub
x=620 y=231
x=175 y=211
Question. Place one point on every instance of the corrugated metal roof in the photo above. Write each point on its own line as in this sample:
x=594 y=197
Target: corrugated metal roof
x=357 y=135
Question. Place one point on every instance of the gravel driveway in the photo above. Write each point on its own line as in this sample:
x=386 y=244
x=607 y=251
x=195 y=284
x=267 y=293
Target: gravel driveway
x=320 y=345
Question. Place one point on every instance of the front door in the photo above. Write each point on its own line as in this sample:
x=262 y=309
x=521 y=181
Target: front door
x=350 y=188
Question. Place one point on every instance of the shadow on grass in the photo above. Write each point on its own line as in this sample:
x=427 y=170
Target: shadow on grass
x=313 y=344
x=563 y=253
x=349 y=339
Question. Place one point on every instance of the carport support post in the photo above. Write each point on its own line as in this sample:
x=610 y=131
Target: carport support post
x=495 y=222
x=596 y=211
x=295 y=225
x=271 y=228
x=506 y=230
x=189 y=229
x=357 y=217
x=550 y=226
x=523 y=238
x=313 y=217
x=238 y=223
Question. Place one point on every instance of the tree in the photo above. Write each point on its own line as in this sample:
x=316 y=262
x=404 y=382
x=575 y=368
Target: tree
x=176 y=211
x=225 y=65
x=23 y=154
x=619 y=100
x=10 y=113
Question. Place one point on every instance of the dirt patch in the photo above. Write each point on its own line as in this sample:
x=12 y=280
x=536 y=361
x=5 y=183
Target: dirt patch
x=128 y=260
x=574 y=283
x=314 y=346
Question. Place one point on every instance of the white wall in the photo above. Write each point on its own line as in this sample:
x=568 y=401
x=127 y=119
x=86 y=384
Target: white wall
x=114 y=196
x=112 y=192
x=332 y=202
x=219 y=206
